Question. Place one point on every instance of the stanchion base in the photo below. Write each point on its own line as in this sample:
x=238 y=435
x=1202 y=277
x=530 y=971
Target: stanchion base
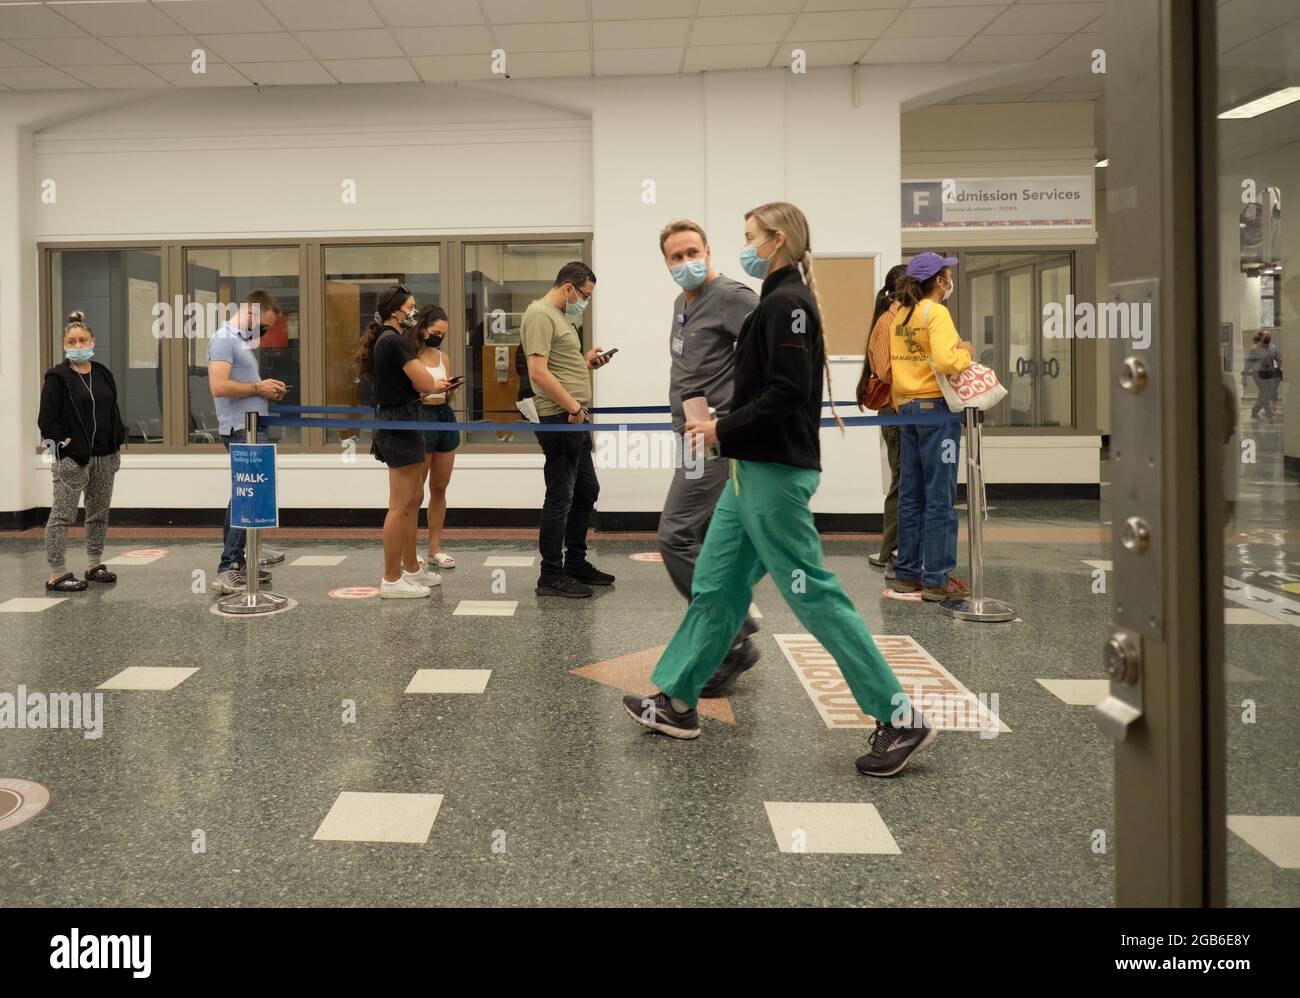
x=984 y=609
x=255 y=603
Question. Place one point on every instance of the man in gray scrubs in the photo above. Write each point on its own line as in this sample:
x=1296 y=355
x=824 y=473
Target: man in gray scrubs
x=707 y=317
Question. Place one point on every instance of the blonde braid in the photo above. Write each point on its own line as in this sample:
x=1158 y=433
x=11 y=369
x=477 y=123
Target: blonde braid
x=807 y=263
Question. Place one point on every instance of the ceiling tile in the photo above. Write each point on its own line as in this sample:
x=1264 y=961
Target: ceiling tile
x=731 y=31
x=1007 y=48
x=284 y=74
x=29 y=21
x=913 y=23
x=116 y=77
x=445 y=41
x=446 y=68
x=429 y=13
x=315 y=15
x=1078 y=48
x=215 y=17
x=812 y=6
x=659 y=33
x=1042 y=19
x=72 y=51
x=638 y=62
x=361 y=43
x=705 y=57
x=901 y=51
x=261 y=46
x=217 y=75
x=567 y=36
x=715 y=8
x=958 y=3
x=159 y=48
x=371 y=70
x=820 y=53
x=845 y=24
x=107 y=19
x=39 y=78
x=526 y=11
x=10 y=57
x=1076 y=83
x=549 y=64
x=619 y=10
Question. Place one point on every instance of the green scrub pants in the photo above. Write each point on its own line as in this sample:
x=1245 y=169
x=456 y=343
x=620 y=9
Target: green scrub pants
x=762 y=524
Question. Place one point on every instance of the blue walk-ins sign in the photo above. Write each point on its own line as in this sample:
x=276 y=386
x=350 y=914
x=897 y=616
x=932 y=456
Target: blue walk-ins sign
x=252 y=486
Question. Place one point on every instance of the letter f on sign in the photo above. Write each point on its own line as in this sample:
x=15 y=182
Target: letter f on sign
x=920 y=199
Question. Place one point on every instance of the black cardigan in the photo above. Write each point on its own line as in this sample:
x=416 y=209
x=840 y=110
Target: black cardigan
x=776 y=409
x=67 y=415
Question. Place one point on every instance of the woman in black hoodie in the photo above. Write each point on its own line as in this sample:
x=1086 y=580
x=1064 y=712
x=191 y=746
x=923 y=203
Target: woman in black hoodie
x=82 y=430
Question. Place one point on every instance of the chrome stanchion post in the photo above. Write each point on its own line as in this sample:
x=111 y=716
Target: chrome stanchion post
x=976 y=606
x=252 y=599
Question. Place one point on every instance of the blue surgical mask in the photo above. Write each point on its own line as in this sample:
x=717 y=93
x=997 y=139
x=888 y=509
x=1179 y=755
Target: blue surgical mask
x=577 y=307
x=79 y=355
x=691 y=274
x=752 y=263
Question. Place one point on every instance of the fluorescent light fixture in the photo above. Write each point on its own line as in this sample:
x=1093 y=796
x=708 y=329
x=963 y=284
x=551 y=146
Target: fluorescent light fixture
x=1101 y=164
x=1262 y=105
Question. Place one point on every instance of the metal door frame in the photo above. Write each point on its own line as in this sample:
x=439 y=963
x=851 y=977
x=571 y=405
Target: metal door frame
x=1166 y=662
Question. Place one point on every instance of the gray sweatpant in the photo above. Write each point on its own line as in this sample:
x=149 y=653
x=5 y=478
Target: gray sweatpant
x=70 y=481
x=684 y=522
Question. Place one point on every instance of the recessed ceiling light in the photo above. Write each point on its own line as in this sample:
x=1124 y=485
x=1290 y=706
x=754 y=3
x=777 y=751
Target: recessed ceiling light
x=1101 y=163
x=1262 y=105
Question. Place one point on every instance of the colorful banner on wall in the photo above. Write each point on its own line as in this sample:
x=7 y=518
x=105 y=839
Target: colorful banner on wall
x=998 y=202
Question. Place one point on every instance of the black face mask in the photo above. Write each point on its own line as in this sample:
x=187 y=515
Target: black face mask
x=262 y=329
x=433 y=340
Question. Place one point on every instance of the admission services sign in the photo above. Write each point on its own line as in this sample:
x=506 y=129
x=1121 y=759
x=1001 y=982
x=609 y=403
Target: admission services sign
x=998 y=202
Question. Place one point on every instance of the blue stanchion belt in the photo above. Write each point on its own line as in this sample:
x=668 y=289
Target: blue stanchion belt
x=523 y=426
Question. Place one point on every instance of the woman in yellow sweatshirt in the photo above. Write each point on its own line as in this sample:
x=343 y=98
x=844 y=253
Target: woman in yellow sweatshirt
x=924 y=334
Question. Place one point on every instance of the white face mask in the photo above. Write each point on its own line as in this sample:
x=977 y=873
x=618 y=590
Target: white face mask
x=951 y=286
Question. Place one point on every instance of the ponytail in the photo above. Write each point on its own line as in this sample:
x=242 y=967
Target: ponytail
x=807 y=263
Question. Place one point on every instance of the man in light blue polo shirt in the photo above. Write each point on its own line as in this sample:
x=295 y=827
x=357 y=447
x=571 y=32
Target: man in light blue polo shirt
x=238 y=388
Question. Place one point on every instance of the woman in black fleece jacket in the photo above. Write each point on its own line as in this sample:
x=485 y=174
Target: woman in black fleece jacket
x=82 y=431
x=762 y=523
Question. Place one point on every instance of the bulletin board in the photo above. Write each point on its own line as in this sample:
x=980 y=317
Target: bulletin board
x=846 y=284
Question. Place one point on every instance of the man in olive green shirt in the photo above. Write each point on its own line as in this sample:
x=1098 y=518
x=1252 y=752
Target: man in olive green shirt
x=561 y=378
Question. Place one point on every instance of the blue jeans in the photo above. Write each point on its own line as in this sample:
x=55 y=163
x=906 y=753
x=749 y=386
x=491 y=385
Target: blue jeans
x=927 y=489
x=232 y=538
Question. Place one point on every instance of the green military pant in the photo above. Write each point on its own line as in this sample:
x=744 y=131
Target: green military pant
x=762 y=524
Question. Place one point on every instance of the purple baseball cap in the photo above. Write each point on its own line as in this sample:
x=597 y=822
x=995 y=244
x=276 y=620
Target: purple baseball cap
x=923 y=266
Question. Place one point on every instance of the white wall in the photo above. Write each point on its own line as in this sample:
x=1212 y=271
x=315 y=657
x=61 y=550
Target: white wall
x=509 y=156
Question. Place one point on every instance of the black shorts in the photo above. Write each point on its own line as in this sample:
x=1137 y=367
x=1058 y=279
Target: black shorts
x=399 y=448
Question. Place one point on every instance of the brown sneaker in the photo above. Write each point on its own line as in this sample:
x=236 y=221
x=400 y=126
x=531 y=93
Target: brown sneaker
x=955 y=589
x=902 y=585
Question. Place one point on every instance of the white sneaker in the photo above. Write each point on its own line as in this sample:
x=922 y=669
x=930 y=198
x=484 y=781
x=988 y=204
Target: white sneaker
x=403 y=588
x=423 y=577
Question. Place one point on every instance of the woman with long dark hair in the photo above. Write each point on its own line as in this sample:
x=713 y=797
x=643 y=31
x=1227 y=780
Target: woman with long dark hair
x=925 y=341
x=875 y=362
x=439 y=445
x=387 y=358
x=763 y=524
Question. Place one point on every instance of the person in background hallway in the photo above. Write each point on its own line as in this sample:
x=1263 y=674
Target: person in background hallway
x=560 y=375
x=876 y=362
x=83 y=431
x=762 y=524
x=238 y=388
x=439 y=445
x=1264 y=365
x=387 y=357
x=707 y=317
x=923 y=334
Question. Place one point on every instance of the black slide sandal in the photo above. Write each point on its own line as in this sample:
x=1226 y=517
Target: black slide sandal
x=100 y=573
x=66 y=583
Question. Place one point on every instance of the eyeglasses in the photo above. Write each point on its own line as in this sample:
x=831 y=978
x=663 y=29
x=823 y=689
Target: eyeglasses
x=584 y=297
